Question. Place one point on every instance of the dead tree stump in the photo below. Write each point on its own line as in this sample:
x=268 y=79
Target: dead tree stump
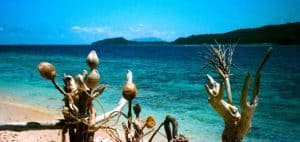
x=236 y=125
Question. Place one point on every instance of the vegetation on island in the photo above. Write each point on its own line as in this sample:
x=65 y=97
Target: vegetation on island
x=123 y=41
x=284 y=34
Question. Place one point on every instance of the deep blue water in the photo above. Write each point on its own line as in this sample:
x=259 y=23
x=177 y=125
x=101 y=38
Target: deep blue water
x=169 y=80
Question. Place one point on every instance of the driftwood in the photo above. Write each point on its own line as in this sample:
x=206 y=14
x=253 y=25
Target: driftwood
x=80 y=120
x=172 y=134
x=134 y=130
x=112 y=113
x=236 y=125
x=79 y=93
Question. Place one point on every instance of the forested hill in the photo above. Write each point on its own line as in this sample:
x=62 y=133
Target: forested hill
x=123 y=41
x=277 y=34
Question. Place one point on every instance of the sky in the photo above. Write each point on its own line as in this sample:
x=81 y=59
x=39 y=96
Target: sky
x=85 y=21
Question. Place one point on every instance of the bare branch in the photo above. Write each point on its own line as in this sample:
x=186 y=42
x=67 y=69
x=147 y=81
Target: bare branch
x=219 y=58
x=243 y=101
x=58 y=87
x=215 y=91
x=171 y=135
x=257 y=76
x=98 y=91
x=155 y=132
x=119 y=107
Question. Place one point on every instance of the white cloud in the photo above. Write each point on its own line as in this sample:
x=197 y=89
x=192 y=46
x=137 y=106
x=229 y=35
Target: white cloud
x=93 y=30
x=75 y=28
x=136 y=31
x=141 y=30
x=137 y=28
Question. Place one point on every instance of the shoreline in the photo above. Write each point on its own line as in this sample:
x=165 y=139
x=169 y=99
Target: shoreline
x=17 y=112
x=13 y=110
x=24 y=112
x=18 y=102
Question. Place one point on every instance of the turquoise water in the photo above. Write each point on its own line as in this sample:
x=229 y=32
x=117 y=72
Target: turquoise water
x=169 y=80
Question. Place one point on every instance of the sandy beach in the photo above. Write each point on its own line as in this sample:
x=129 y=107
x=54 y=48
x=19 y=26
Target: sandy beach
x=13 y=111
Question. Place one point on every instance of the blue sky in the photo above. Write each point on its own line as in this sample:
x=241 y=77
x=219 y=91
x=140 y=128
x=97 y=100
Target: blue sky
x=84 y=21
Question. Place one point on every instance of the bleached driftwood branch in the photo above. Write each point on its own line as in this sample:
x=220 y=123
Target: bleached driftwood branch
x=236 y=125
x=110 y=114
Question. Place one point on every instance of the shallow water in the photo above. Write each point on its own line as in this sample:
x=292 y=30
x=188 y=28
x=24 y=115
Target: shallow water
x=169 y=80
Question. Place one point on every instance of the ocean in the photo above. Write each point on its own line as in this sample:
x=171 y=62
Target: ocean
x=170 y=81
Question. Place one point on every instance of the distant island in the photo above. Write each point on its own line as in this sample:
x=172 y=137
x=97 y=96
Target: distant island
x=123 y=41
x=147 y=39
x=276 y=34
x=284 y=34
